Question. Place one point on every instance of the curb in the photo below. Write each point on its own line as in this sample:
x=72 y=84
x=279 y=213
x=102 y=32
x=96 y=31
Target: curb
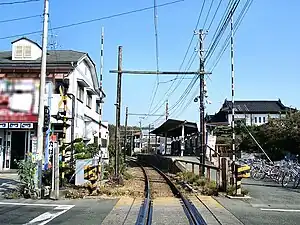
x=238 y=197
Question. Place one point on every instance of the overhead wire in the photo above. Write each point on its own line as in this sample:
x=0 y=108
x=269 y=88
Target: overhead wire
x=185 y=93
x=94 y=20
x=207 y=16
x=20 y=18
x=18 y=2
x=156 y=108
x=235 y=27
x=221 y=31
x=211 y=4
x=214 y=16
x=157 y=57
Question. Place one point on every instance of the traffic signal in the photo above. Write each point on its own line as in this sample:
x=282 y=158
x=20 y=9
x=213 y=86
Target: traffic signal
x=46 y=118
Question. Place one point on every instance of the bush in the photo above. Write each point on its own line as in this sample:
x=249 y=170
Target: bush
x=26 y=173
x=210 y=188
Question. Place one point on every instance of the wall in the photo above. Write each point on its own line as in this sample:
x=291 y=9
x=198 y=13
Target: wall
x=36 y=51
x=250 y=118
x=86 y=119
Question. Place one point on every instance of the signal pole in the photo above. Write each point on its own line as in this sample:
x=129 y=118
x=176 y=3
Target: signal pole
x=40 y=134
x=167 y=116
x=125 y=142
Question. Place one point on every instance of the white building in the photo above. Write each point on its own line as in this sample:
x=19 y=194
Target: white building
x=250 y=112
x=19 y=90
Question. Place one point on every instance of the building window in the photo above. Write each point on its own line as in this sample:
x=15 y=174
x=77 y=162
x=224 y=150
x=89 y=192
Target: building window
x=264 y=119
x=89 y=101
x=103 y=143
x=22 y=52
x=27 y=51
x=98 y=108
x=259 y=119
x=255 y=119
x=80 y=93
x=19 y=52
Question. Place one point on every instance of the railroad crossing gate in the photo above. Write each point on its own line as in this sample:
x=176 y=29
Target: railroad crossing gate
x=243 y=171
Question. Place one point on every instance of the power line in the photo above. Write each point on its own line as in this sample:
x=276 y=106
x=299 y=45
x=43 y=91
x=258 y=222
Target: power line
x=236 y=26
x=221 y=31
x=208 y=13
x=18 y=2
x=20 y=18
x=157 y=56
x=93 y=20
x=184 y=58
x=184 y=93
x=213 y=18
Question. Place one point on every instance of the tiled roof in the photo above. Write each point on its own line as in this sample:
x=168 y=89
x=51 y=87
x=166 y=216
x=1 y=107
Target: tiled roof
x=254 y=106
x=53 y=57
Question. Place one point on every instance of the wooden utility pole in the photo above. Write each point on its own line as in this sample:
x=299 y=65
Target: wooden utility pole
x=118 y=114
x=125 y=142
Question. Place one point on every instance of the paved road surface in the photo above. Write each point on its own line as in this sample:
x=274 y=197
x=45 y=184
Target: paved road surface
x=270 y=204
x=68 y=212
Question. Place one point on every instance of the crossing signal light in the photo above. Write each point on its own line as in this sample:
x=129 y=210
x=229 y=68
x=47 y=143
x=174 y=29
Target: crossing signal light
x=46 y=118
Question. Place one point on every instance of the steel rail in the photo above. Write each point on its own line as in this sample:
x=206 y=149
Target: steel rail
x=190 y=210
x=145 y=212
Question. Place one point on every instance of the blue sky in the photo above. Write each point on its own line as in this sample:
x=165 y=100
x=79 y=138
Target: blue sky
x=266 y=49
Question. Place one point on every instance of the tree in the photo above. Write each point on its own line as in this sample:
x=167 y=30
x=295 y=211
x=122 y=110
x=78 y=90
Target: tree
x=277 y=137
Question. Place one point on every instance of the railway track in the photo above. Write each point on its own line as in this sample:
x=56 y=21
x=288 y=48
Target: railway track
x=155 y=176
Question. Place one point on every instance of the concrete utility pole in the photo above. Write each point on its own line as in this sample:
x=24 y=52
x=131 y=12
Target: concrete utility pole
x=125 y=142
x=202 y=122
x=118 y=113
x=40 y=134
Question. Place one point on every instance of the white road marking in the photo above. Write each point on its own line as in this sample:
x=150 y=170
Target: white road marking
x=281 y=210
x=45 y=217
x=34 y=204
x=48 y=216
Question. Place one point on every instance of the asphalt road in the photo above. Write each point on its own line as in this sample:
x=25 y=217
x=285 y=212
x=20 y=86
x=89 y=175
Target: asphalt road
x=66 y=212
x=269 y=204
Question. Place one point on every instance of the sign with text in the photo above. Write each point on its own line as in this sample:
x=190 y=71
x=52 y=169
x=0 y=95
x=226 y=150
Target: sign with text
x=19 y=99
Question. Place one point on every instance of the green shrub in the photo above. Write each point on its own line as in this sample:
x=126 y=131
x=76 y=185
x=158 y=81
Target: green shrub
x=210 y=188
x=26 y=172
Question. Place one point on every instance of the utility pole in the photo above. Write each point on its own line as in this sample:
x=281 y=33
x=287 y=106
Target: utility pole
x=40 y=134
x=202 y=122
x=125 y=142
x=149 y=138
x=118 y=113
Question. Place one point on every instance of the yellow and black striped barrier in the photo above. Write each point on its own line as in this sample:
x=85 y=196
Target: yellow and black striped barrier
x=244 y=171
x=91 y=173
x=241 y=172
